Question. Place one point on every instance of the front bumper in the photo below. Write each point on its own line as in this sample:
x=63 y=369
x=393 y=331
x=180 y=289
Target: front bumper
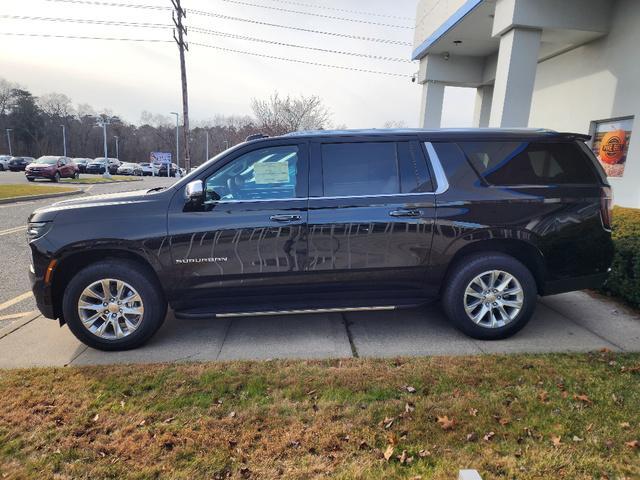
x=32 y=174
x=42 y=293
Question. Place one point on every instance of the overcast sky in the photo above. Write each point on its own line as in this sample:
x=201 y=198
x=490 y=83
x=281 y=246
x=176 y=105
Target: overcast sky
x=129 y=77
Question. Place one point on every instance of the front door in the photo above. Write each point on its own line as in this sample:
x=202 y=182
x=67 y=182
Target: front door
x=371 y=217
x=247 y=242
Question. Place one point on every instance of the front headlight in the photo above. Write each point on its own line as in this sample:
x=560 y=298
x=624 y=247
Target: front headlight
x=37 y=229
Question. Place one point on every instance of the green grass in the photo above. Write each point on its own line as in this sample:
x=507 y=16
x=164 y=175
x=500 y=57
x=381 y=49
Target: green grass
x=12 y=191
x=100 y=179
x=308 y=419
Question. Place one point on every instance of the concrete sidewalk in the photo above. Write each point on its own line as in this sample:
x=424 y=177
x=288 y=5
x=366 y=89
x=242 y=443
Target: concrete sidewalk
x=572 y=322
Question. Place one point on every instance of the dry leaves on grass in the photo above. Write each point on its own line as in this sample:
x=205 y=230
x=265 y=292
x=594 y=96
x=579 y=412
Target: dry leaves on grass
x=556 y=440
x=633 y=444
x=543 y=396
x=446 y=423
x=582 y=398
x=489 y=436
x=388 y=453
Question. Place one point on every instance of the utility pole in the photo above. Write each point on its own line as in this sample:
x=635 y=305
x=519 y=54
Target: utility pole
x=103 y=122
x=178 y=14
x=64 y=141
x=207 y=154
x=117 y=149
x=9 y=130
x=177 y=143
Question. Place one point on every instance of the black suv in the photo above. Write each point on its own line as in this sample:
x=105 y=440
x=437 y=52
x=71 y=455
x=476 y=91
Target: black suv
x=322 y=221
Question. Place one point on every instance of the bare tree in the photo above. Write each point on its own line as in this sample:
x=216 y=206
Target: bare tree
x=394 y=124
x=56 y=105
x=279 y=115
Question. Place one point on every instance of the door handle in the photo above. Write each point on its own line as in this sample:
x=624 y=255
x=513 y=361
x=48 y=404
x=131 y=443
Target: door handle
x=405 y=213
x=284 y=218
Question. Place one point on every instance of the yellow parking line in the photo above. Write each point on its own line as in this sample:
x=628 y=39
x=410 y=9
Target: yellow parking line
x=9 y=231
x=16 y=315
x=13 y=301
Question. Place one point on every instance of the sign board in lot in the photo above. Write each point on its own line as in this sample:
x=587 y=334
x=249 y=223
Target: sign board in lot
x=160 y=157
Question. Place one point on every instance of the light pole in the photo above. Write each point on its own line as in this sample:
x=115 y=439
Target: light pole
x=9 y=130
x=64 y=141
x=103 y=122
x=207 y=154
x=177 y=145
x=117 y=150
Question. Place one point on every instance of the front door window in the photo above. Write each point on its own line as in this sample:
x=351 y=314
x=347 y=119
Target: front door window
x=263 y=174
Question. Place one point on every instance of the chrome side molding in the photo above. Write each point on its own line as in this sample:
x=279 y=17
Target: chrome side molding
x=303 y=311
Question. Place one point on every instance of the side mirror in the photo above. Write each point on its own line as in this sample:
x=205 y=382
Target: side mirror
x=194 y=192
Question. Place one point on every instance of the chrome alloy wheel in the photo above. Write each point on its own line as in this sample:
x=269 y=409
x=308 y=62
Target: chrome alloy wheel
x=110 y=309
x=493 y=299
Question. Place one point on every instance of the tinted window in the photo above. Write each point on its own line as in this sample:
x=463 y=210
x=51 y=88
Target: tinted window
x=529 y=163
x=263 y=174
x=414 y=175
x=351 y=169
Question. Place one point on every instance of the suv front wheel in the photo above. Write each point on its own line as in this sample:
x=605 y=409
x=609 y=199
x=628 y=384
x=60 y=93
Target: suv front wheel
x=113 y=305
x=490 y=296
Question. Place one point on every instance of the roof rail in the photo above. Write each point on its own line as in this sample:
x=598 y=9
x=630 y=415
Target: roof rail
x=256 y=136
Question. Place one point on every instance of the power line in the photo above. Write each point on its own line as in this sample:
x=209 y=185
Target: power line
x=273 y=57
x=239 y=19
x=90 y=21
x=284 y=44
x=84 y=37
x=299 y=29
x=113 y=4
x=343 y=10
x=321 y=15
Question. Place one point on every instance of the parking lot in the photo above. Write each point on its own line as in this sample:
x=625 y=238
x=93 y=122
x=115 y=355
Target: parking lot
x=570 y=322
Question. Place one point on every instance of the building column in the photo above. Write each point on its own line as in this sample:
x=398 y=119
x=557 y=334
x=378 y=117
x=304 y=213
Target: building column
x=431 y=106
x=515 y=77
x=482 y=111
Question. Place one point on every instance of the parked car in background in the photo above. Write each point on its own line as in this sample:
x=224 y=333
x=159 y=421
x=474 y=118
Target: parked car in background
x=128 y=168
x=101 y=164
x=82 y=163
x=162 y=169
x=52 y=168
x=149 y=168
x=4 y=162
x=19 y=164
x=484 y=219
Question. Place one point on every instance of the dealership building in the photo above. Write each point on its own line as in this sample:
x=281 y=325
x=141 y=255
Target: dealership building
x=567 y=65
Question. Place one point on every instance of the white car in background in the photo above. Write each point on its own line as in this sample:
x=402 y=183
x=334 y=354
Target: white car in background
x=149 y=168
x=4 y=162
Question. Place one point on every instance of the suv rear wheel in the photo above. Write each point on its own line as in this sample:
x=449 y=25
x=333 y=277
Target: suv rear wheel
x=56 y=177
x=490 y=296
x=113 y=305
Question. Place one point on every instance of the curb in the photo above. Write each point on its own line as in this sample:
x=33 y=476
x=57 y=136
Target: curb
x=25 y=198
x=17 y=324
x=101 y=183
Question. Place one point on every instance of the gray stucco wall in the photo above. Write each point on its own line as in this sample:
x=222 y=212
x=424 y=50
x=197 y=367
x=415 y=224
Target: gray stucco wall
x=596 y=81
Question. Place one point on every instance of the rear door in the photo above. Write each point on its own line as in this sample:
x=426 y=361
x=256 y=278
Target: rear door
x=371 y=215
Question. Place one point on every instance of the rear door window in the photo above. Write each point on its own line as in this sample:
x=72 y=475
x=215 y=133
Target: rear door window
x=373 y=168
x=529 y=163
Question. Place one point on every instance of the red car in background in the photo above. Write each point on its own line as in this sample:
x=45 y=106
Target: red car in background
x=52 y=168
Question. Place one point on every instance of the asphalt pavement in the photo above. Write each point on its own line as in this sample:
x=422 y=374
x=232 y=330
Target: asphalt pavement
x=14 y=252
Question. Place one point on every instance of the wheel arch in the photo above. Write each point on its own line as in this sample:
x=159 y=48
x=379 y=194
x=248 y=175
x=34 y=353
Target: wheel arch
x=526 y=253
x=71 y=264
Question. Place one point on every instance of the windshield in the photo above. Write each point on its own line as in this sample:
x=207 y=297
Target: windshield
x=48 y=160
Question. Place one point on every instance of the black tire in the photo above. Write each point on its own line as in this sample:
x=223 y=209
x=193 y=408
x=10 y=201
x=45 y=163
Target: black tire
x=155 y=305
x=461 y=276
x=30 y=179
x=1 y=168
x=56 y=178
x=76 y=175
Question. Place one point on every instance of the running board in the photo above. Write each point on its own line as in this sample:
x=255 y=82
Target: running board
x=304 y=311
x=300 y=311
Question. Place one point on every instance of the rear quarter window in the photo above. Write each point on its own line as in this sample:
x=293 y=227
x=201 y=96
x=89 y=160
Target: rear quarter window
x=530 y=163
